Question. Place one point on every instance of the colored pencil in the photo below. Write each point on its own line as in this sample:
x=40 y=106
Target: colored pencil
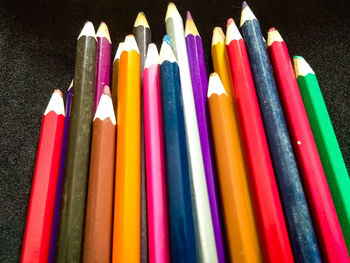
x=115 y=71
x=103 y=62
x=126 y=227
x=71 y=221
x=298 y=220
x=206 y=247
x=36 y=240
x=99 y=208
x=58 y=195
x=155 y=160
x=237 y=206
x=221 y=63
x=183 y=247
x=326 y=142
x=320 y=200
x=200 y=86
x=272 y=228
x=142 y=33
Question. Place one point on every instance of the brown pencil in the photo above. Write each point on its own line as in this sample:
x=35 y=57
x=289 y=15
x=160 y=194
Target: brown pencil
x=98 y=219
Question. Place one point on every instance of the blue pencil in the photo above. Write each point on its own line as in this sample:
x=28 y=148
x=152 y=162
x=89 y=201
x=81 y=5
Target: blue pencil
x=179 y=191
x=300 y=229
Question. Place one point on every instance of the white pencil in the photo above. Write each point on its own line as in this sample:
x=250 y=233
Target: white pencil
x=202 y=216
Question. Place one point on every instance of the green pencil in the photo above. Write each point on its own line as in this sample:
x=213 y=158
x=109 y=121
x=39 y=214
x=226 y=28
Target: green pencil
x=326 y=141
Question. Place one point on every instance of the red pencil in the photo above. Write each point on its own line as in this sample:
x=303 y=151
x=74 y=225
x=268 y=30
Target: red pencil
x=269 y=215
x=320 y=201
x=42 y=198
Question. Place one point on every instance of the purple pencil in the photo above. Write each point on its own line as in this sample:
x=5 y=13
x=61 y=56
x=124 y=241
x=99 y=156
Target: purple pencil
x=103 y=62
x=60 y=176
x=200 y=86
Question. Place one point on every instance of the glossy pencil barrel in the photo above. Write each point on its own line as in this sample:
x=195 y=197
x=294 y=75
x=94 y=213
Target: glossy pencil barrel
x=181 y=228
x=99 y=208
x=320 y=200
x=272 y=228
x=237 y=205
x=60 y=177
x=158 y=240
x=36 y=240
x=200 y=85
x=326 y=142
x=126 y=228
x=71 y=223
x=294 y=204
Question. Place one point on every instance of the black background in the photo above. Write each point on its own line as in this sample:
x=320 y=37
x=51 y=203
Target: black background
x=37 y=53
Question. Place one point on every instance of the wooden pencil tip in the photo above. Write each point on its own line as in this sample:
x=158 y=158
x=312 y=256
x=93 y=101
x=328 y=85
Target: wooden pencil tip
x=232 y=32
x=71 y=84
x=119 y=51
x=190 y=27
x=56 y=103
x=166 y=39
x=215 y=85
x=246 y=14
x=171 y=11
x=166 y=53
x=105 y=108
x=130 y=43
x=152 y=56
x=218 y=36
x=88 y=30
x=272 y=36
x=141 y=20
x=301 y=67
x=103 y=31
x=107 y=91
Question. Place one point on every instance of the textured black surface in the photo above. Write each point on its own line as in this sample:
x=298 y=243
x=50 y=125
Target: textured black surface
x=37 y=54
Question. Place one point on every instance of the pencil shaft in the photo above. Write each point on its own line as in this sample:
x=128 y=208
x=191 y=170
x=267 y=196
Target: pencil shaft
x=267 y=202
x=71 y=223
x=155 y=167
x=60 y=178
x=180 y=206
x=320 y=200
x=143 y=38
x=126 y=229
x=200 y=86
x=328 y=148
x=103 y=68
x=99 y=209
x=114 y=88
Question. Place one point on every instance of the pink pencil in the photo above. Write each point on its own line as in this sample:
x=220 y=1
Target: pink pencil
x=103 y=66
x=155 y=167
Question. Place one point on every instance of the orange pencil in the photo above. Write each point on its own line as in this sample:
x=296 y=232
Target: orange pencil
x=237 y=206
x=126 y=229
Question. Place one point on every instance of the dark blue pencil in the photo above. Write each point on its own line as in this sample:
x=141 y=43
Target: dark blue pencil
x=300 y=229
x=179 y=191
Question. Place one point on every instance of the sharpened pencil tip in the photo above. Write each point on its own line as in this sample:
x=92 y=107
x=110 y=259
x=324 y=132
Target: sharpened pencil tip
x=171 y=11
x=244 y=4
x=218 y=36
x=298 y=57
x=188 y=16
x=272 y=29
x=88 y=30
x=71 y=84
x=272 y=36
x=229 y=21
x=141 y=20
x=301 y=67
x=215 y=85
x=56 y=103
x=107 y=91
x=166 y=39
x=59 y=92
x=152 y=55
x=102 y=31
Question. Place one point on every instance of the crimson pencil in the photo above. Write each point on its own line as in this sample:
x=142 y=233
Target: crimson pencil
x=324 y=215
x=36 y=241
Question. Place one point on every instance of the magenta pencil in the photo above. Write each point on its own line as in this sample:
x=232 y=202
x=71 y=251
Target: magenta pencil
x=103 y=65
x=155 y=166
